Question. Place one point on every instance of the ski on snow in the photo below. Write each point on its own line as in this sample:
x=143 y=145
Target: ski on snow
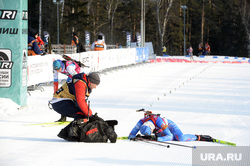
x=214 y=140
x=49 y=124
x=112 y=123
x=224 y=142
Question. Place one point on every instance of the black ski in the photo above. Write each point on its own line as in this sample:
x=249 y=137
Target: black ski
x=208 y=138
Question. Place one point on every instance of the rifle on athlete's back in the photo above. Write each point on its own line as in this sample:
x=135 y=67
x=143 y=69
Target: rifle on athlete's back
x=73 y=60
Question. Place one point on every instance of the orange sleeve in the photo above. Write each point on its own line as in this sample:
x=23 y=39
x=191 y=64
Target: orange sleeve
x=80 y=90
x=40 y=40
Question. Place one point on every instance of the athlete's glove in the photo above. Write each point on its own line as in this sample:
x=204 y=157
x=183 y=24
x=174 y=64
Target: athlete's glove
x=131 y=137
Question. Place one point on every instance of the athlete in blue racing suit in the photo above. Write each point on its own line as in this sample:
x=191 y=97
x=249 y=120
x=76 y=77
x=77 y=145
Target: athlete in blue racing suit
x=165 y=130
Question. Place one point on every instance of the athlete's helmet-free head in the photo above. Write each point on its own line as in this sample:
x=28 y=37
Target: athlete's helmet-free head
x=57 y=64
x=147 y=128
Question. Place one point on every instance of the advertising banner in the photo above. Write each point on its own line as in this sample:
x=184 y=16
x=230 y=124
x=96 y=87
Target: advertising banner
x=128 y=37
x=87 y=38
x=13 y=50
x=138 y=39
x=39 y=68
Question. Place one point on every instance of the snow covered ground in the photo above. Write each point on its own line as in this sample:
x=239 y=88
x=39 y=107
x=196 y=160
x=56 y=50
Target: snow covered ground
x=201 y=98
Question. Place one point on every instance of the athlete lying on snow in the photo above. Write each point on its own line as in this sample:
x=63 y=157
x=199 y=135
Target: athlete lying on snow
x=164 y=129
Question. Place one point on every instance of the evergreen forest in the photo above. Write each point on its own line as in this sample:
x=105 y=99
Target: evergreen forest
x=224 y=24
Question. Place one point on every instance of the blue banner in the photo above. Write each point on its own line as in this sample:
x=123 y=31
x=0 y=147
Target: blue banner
x=142 y=54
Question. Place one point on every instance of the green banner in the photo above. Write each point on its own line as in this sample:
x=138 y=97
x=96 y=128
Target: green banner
x=13 y=50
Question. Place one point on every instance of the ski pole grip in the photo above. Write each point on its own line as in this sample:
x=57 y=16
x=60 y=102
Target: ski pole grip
x=88 y=109
x=140 y=110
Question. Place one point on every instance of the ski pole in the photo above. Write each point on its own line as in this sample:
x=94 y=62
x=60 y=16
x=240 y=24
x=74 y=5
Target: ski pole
x=169 y=143
x=88 y=109
x=140 y=110
x=147 y=141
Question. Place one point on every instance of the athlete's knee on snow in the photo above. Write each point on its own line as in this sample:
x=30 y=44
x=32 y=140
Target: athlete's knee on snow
x=182 y=138
x=186 y=137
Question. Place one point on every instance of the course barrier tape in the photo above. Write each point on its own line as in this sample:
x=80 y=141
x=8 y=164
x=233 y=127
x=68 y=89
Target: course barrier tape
x=209 y=60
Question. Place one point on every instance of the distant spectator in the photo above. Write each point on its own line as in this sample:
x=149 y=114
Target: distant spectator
x=200 y=49
x=190 y=53
x=75 y=41
x=39 y=41
x=46 y=41
x=206 y=49
x=33 y=48
x=81 y=47
x=164 y=50
x=99 y=45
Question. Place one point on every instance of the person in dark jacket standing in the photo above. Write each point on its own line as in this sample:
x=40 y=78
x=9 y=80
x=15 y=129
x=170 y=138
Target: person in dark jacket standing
x=75 y=41
x=33 y=48
x=71 y=99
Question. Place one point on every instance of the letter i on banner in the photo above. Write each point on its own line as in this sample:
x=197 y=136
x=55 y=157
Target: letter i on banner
x=13 y=50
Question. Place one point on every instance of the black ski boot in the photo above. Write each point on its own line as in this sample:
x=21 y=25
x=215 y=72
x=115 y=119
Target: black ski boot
x=204 y=138
x=62 y=119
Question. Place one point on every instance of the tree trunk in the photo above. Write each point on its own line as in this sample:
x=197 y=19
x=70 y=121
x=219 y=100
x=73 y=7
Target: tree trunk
x=162 y=27
x=111 y=8
x=248 y=46
x=202 y=20
x=244 y=7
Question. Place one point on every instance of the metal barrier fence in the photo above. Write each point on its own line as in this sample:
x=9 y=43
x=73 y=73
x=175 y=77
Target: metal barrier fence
x=63 y=49
x=69 y=49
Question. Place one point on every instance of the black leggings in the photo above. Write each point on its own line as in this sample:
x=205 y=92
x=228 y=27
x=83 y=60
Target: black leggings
x=67 y=108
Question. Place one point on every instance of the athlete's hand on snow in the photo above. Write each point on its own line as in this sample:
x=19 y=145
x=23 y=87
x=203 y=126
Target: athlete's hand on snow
x=131 y=137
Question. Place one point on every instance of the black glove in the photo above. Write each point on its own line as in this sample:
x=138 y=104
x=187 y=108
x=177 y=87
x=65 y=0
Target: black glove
x=81 y=121
x=149 y=137
x=94 y=117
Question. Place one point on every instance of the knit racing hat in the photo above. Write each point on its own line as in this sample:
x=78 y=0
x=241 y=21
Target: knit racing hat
x=94 y=78
x=147 y=128
x=56 y=65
